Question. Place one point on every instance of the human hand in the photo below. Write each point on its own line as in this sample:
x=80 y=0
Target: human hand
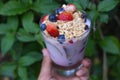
x=47 y=73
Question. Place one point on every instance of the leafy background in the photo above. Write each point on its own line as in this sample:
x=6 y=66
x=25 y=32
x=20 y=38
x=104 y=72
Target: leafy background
x=21 y=41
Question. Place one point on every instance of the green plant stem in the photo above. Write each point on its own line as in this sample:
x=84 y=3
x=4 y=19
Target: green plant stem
x=105 y=66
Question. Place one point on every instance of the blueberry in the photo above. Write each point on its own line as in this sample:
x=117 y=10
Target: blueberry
x=59 y=10
x=86 y=27
x=83 y=16
x=52 y=17
x=42 y=27
x=61 y=38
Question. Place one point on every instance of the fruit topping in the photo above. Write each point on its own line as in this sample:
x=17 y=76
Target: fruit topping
x=65 y=16
x=61 y=38
x=71 y=41
x=59 y=10
x=52 y=30
x=44 y=18
x=42 y=27
x=86 y=27
x=69 y=8
x=83 y=16
x=52 y=17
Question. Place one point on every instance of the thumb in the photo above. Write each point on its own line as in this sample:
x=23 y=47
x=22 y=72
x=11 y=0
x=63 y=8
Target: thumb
x=46 y=64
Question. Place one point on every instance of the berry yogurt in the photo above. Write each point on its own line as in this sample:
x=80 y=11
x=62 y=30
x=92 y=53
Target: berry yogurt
x=65 y=32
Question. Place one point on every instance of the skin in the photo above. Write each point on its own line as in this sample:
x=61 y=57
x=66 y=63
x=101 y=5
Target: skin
x=47 y=73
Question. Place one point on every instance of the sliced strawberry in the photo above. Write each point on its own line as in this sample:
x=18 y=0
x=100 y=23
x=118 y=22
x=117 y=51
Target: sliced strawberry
x=52 y=30
x=71 y=41
x=70 y=8
x=65 y=16
x=44 y=18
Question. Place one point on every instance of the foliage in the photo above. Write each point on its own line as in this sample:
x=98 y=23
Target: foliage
x=21 y=39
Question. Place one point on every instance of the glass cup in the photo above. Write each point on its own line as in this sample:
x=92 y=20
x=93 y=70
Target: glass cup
x=67 y=57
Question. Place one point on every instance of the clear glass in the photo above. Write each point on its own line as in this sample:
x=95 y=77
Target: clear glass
x=67 y=57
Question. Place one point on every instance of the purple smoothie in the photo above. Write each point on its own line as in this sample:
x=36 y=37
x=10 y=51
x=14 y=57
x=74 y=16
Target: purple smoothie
x=71 y=51
x=65 y=33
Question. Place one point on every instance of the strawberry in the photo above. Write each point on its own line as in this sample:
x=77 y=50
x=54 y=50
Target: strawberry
x=70 y=8
x=52 y=30
x=65 y=16
x=44 y=18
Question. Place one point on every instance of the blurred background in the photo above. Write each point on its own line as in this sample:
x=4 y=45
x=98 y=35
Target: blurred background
x=21 y=41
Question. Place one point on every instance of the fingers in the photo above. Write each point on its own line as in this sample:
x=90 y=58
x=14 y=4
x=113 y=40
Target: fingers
x=86 y=63
x=83 y=73
x=59 y=77
x=46 y=65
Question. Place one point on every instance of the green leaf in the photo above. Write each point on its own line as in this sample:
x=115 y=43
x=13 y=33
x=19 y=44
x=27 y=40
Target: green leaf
x=13 y=7
x=1 y=5
x=22 y=73
x=30 y=58
x=107 y=5
x=12 y=22
x=6 y=43
x=28 y=23
x=78 y=6
x=7 y=69
x=70 y=1
x=24 y=36
x=82 y=3
x=18 y=49
x=91 y=6
x=90 y=48
x=45 y=6
x=10 y=26
x=110 y=45
x=27 y=1
x=38 y=56
x=4 y=28
x=93 y=14
x=104 y=18
x=40 y=40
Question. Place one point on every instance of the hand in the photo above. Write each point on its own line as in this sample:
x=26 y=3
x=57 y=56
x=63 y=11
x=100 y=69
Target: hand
x=48 y=74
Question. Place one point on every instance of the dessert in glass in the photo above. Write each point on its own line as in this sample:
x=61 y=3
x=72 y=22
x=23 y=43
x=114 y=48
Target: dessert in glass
x=65 y=33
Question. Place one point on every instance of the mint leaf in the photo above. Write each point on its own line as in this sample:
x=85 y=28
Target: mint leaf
x=45 y=6
x=30 y=58
x=6 y=43
x=22 y=73
x=107 y=5
x=28 y=24
x=13 y=8
x=110 y=45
